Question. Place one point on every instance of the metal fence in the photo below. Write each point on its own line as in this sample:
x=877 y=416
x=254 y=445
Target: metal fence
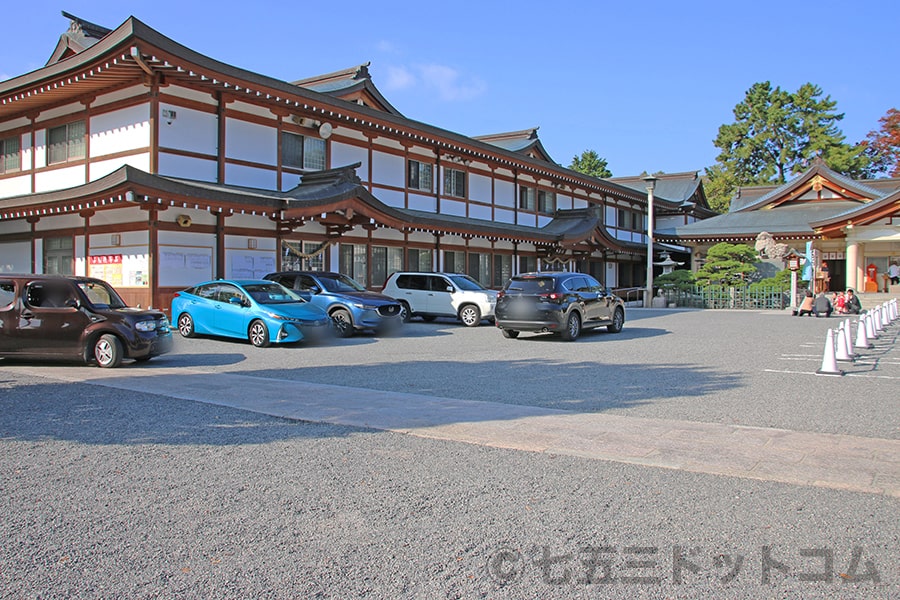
x=716 y=296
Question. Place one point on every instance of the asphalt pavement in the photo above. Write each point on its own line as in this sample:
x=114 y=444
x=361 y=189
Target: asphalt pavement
x=132 y=491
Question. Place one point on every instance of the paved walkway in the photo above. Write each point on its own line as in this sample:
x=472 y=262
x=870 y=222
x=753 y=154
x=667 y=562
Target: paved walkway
x=834 y=461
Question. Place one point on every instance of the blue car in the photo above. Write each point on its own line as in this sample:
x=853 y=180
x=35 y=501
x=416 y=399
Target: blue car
x=262 y=311
x=351 y=306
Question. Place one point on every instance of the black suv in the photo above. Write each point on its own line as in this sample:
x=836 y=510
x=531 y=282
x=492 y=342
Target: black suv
x=563 y=303
x=56 y=316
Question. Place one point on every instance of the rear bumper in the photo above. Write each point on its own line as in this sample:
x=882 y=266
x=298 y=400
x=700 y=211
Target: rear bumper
x=530 y=325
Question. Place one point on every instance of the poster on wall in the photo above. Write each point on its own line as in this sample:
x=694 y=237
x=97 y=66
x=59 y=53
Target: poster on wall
x=107 y=267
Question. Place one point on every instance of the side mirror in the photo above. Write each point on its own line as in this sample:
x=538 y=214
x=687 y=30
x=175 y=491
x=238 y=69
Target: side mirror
x=236 y=300
x=73 y=303
x=450 y=288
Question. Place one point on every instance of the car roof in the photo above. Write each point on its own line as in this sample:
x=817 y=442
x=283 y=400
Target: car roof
x=51 y=277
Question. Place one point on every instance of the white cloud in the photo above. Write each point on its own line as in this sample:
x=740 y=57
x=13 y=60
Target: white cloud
x=399 y=78
x=387 y=47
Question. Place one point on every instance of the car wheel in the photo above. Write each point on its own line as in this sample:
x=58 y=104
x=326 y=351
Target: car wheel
x=573 y=327
x=405 y=312
x=617 y=322
x=108 y=351
x=186 y=325
x=510 y=333
x=470 y=315
x=258 y=334
x=343 y=323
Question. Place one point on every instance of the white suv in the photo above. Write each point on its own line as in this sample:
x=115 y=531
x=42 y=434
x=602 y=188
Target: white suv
x=431 y=295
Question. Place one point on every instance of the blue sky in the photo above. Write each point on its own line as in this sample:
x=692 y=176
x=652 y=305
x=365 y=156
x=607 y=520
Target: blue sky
x=645 y=84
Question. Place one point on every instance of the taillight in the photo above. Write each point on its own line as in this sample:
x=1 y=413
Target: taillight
x=176 y=295
x=553 y=296
x=500 y=294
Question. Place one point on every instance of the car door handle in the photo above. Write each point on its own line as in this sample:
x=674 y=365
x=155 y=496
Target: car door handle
x=28 y=315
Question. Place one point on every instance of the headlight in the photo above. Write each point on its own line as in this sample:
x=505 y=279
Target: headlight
x=145 y=326
x=364 y=306
x=279 y=317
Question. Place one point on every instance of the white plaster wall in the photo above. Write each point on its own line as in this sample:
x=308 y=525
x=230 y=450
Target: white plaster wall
x=50 y=224
x=250 y=177
x=74 y=110
x=190 y=94
x=250 y=221
x=187 y=167
x=504 y=216
x=38 y=255
x=345 y=154
x=190 y=130
x=391 y=197
x=40 y=148
x=13 y=124
x=15 y=186
x=504 y=194
x=253 y=109
x=14 y=226
x=424 y=203
x=477 y=211
x=479 y=187
x=15 y=257
x=120 y=130
x=289 y=181
x=186 y=258
x=27 y=150
x=252 y=142
x=383 y=234
x=453 y=207
x=388 y=169
x=136 y=90
x=138 y=161
x=59 y=178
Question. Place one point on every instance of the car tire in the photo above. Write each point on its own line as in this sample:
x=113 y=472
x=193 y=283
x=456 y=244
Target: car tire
x=108 y=351
x=258 y=334
x=510 y=334
x=617 y=322
x=405 y=312
x=186 y=325
x=573 y=327
x=343 y=323
x=470 y=315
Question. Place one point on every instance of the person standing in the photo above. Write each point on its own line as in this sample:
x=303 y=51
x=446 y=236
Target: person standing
x=852 y=302
x=894 y=272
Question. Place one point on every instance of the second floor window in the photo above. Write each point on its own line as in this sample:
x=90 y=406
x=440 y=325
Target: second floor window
x=419 y=176
x=546 y=202
x=65 y=143
x=455 y=183
x=526 y=198
x=302 y=152
x=10 y=156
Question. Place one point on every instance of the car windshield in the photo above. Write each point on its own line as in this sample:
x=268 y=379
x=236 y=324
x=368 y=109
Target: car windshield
x=101 y=295
x=340 y=283
x=271 y=293
x=530 y=285
x=464 y=282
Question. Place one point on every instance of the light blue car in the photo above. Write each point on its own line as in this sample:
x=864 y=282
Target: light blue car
x=263 y=312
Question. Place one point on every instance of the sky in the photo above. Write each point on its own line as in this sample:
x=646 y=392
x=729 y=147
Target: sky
x=645 y=84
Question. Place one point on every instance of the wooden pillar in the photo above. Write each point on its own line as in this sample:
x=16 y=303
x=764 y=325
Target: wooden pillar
x=153 y=253
x=220 y=244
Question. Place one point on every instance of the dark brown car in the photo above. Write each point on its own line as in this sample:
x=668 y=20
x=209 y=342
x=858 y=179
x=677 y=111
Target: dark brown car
x=79 y=318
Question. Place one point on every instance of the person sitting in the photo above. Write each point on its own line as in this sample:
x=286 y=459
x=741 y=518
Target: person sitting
x=839 y=303
x=822 y=305
x=806 y=307
x=853 y=305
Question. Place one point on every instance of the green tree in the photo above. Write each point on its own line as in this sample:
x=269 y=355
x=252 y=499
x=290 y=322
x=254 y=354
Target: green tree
x=727 y=264
x=775 y=135
x=591 y=164
x=679 y=279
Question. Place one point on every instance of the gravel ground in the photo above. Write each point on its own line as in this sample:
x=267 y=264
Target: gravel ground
x=114 y=495
x=149 y=497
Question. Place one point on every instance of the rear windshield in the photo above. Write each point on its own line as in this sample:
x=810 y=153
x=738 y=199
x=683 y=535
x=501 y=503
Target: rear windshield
x=531 y=285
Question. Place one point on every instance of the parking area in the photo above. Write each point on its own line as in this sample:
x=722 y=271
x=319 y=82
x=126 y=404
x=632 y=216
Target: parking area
x=451 y=511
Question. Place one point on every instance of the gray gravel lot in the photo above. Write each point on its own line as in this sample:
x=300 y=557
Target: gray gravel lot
x=112 y=495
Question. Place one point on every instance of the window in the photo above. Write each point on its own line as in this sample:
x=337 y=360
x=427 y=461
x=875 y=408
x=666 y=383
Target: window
x=546 y=202
x=65 y=143
x=526 y=198
x=420 y=260
x=297 y=256
x=502 y=269
x=385 y=260
x=455 y=183
x=527 y=264
x=10 y=157
x=353 y=261
x=480 y=267
x=454 y=262
x=419 y=176
x=302 y=152
x=58 y=256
